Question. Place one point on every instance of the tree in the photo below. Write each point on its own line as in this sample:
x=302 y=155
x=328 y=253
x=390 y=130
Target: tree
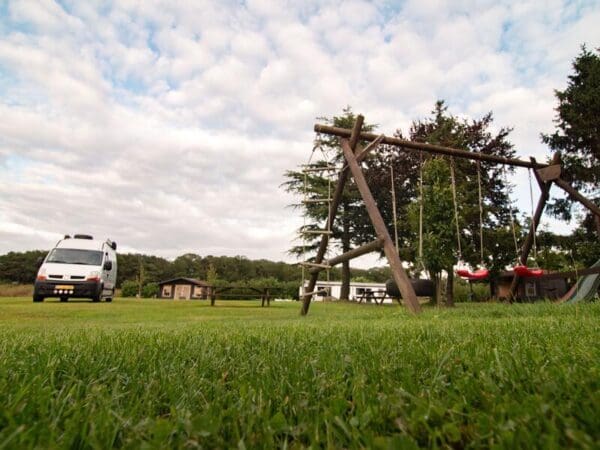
x=439 y=240
x=211 y=274
x=474 y=135
x=315 y=185
x=577 y=134
x=150 y=290
x=140 y=278
x=20 y=267
x=155 y=268
x=445 y=129
x=129 y=288
x=579 y=249
x=188 y=265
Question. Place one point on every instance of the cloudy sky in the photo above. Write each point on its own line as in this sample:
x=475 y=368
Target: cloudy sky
x=167 y=126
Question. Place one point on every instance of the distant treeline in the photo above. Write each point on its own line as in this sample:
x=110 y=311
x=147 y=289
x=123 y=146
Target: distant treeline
x=21 y=267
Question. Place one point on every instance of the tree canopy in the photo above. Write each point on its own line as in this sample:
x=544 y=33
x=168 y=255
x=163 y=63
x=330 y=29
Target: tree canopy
x=577 y=134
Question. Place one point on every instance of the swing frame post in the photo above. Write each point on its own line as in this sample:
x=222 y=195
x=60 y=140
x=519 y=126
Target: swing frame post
x=546 y=175
x=351 y=254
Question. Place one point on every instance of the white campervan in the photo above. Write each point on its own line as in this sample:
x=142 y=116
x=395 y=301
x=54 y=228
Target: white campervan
x=78 y=267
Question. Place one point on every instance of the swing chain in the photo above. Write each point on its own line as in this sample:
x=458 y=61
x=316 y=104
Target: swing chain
x=453 y=184
x=480 y=212
x=510 y=211
x=421 y=209
x=533 y=230
x=394 y=212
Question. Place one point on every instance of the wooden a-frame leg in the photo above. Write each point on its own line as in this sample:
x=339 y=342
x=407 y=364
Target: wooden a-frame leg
x=398 y=272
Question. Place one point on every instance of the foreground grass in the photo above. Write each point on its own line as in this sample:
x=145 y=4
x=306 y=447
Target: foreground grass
x=184 y=375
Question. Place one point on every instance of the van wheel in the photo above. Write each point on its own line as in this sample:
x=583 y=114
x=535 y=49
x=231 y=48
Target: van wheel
x=64 y=299
x=98 y=296
x=38 y=298
x=108 y=300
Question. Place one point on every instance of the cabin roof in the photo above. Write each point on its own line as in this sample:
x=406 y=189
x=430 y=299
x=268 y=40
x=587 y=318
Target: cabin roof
x=184 y=280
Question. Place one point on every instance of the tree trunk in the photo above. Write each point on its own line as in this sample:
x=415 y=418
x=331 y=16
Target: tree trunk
x=345 y=289
x=450 y=288
x=437 y=283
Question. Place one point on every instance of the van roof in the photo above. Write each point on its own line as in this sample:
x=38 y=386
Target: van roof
x=84 y=244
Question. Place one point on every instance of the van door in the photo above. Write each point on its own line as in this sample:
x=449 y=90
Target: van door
x=108 y=275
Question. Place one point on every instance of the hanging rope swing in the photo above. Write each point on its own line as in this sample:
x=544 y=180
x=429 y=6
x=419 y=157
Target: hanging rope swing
x=520 y=268
x=423 y=287
x=420 y=250
x=462 y=270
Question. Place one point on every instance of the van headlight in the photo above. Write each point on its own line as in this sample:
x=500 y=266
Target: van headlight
x=93 y=276
x=41 y=276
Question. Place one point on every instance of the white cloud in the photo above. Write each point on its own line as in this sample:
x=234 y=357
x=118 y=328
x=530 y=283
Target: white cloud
x=168 y=126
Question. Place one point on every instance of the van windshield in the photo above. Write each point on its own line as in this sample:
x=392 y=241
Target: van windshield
x=75 y=256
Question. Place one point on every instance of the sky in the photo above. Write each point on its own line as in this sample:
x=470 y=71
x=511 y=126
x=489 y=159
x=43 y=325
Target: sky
x=168 y=126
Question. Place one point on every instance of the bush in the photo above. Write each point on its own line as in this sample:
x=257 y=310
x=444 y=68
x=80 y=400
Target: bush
x=150 y=290
x=481 y=292
x=129 y=288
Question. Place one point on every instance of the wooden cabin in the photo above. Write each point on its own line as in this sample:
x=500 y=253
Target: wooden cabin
x=530 y=288
x=184 y=289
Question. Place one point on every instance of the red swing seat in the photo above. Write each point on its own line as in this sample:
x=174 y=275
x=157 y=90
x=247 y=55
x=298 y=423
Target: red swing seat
x=525 y=272
x=480 y=274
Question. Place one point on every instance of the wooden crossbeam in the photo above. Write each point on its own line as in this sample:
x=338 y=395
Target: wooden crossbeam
x=323 y=291
x=372 y=146
x=319 y=266
x=429 y=148
x=354 y=253
x=577 y=196
x=362 y=153
x=317 y=232
x=318 y=169
x=316 y=200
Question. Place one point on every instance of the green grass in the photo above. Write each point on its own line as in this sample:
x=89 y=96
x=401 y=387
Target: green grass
x=163 y=374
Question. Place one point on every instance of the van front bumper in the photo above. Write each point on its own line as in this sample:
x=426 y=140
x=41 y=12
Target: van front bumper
x=81 y=289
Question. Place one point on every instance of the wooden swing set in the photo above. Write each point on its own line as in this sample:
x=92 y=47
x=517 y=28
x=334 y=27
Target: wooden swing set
x=354 y=153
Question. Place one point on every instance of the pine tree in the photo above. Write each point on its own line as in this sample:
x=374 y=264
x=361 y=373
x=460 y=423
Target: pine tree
x=577 y=134
x=315 y=185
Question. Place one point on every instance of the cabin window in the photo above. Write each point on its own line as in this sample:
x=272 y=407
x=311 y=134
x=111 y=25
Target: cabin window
x=166 y=291
x=198 y=291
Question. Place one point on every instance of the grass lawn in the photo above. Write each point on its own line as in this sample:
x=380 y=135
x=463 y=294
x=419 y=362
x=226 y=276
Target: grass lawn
x=164 y=374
